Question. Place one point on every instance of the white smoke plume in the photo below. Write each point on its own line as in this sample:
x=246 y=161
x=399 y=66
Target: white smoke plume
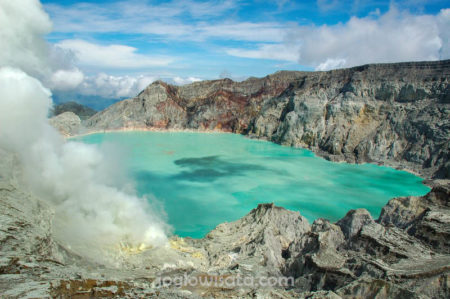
x=92 y=216
x=22 y=25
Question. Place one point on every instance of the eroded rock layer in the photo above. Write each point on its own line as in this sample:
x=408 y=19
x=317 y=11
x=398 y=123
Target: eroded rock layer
x=394 y=114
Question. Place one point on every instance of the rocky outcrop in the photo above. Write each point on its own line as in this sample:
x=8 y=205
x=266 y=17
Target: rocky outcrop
x=393 y=114
x=426 y=218
x=237 y=244
x=208 y=105
x=67 y=123
x=402 y=254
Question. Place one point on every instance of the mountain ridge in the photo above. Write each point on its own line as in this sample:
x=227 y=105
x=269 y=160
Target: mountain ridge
x=393 y=114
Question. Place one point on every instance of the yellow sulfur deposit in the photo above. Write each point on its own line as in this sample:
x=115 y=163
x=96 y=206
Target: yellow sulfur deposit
x=128 y=249
x=180 y=245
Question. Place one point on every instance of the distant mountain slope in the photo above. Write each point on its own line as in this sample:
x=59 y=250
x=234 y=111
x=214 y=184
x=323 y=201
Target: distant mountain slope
x=95 y=102
x=82 y=111
x=396 y=114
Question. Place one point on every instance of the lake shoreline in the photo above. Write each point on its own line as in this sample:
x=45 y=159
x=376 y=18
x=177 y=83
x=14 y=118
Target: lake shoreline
x=235 y=168
x=319 y=153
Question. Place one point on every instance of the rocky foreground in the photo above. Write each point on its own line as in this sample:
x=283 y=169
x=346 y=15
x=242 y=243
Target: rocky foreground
x=403 y=254
x=393 y=114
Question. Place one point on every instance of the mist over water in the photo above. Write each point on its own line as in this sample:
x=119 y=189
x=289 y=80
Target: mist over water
x=94 y=214
x=206 y=179
x=97 y=212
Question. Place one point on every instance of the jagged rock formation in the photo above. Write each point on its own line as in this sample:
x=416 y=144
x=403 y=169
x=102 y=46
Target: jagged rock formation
x=67 y=123
x=82 y=111
x=394 y=114
x=405 y=253
x=426 y=218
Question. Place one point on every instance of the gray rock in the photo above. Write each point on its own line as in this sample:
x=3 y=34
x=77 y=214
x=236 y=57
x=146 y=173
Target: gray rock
x=352 y=223
x=67 y=123
x=427 y=217
x=374 y=288
x=392 y=114
x=257 y=243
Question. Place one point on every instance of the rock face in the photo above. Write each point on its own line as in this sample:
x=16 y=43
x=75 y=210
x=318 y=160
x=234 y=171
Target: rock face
x=394 y=114
x=403 y=254
x=67 y=123
x=207 y=105
x=426 y=218
x=232 y=244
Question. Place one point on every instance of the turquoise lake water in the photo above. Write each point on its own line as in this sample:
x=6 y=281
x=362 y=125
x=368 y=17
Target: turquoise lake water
x=204 y=179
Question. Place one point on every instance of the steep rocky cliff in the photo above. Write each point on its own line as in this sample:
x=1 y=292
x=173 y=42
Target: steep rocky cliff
x=394 y=114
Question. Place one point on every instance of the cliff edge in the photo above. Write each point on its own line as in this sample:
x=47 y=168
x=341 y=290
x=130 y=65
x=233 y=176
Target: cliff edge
x=394 y=114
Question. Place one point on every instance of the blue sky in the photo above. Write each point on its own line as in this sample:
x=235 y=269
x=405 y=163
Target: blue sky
x=183 y=41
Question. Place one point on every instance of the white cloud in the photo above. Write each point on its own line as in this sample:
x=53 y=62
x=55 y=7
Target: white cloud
x=165 y=20
x=269 y=51
x=243 y=31
x=115 y=87
x=66 y=79
x=444 y=32
x=392 y=37
x=108 y=86
x=124 y=15
x=326 y=5
x=111 y=56
x=147 y=10
x=183 y=81
x=330 y=64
